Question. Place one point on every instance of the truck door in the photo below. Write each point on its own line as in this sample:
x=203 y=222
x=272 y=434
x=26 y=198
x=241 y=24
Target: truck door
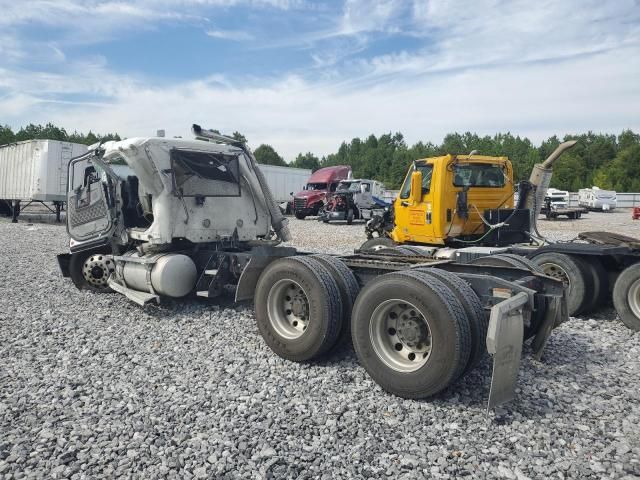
x=364 y=195
x=415 y=221
x=90 y=200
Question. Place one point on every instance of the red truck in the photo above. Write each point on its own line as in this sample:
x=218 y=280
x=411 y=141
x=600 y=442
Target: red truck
x=323 y=181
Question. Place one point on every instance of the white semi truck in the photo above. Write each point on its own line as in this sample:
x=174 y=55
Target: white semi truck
x=198 y=219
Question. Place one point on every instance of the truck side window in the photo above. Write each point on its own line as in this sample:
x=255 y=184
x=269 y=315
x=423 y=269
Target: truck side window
x=427 y=173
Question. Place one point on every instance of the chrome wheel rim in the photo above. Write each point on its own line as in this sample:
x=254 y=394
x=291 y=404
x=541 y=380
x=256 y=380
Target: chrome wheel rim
x=97 y=268
x=633 y=297
x=288 y=309
x=556 y=271
x=400 y=335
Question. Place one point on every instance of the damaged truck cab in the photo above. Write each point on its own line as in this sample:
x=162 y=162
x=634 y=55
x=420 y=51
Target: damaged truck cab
x=197 y=218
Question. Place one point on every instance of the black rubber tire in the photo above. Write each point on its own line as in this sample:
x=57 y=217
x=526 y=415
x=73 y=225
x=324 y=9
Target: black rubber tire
x=580 y=285
x=478 y=319
x=349 y=289
x=350 y=217
x=300 y=215
x=76 y=264
x=406 y=251
x=325 y=308
x=415 y=250
x=599 y=278
x=500 y=260
x=620 y=296
x=450 y=331
x=524 y=261
x=375 y=242
x=516 y=261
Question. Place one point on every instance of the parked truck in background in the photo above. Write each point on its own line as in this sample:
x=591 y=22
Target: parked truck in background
x=595 y=198
x=354 y=199
x=35 y=171
x=461 y=206
x=206 y=224
x=556 y=204
x=311 y=198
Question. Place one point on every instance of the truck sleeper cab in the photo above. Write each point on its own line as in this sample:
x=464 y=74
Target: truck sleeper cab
x=321 y=183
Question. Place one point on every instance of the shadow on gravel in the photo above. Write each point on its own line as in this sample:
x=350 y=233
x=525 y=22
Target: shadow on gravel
x=572 y=349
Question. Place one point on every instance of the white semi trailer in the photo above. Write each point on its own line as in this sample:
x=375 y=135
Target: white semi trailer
x=283 y=181
x=35 y=171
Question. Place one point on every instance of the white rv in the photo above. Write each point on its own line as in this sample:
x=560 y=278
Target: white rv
x=597 y=199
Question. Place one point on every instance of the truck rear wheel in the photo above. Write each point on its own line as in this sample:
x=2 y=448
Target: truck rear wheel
x=410 y=333
x=298 y=308
x=573 y=272
x=90 y=270
x=626 y=296
x=350 y=217
x=600 y=280
x=506 y=260
x=376 y=243
x=349 y=289
x=478 y=319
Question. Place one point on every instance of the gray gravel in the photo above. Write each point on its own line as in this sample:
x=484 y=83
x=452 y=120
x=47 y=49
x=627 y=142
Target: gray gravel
x=93 y=386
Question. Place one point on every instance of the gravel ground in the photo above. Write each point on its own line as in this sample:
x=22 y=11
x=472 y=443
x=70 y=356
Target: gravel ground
x=92 y=386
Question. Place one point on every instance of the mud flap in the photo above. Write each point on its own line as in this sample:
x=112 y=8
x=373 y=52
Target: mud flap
x=504 y=343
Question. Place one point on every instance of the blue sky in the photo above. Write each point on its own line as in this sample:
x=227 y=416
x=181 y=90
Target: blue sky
x=305 y=75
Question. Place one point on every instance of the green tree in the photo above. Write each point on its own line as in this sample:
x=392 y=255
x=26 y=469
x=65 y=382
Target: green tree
x=308 y=160
x=266 y=155
x=238 y=136
x=6 y=135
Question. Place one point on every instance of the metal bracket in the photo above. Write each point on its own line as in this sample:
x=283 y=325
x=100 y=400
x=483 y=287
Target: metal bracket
x=504 y=343
x=141 y=298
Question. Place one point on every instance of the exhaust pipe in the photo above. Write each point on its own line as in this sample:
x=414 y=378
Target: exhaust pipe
x=540 y=180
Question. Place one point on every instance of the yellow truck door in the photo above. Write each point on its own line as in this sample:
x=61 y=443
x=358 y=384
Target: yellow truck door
x=415 y=222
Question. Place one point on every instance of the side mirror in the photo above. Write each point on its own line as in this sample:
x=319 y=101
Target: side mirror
x=416 y=186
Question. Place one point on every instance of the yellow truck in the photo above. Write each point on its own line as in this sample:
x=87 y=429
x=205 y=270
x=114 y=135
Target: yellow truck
x=462 y=208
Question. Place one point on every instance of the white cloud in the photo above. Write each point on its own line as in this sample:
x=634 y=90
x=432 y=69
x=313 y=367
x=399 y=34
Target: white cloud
x=371 y=16
x=539 y=70
x=235 y=35
x=598 y=93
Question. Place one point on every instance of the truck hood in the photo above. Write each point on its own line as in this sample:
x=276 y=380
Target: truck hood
x=311 y=194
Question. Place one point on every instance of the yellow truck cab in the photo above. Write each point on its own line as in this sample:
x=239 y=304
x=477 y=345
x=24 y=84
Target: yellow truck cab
x=431 y=206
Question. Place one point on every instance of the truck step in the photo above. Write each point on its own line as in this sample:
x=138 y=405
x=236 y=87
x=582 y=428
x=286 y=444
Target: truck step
x=203 y=293
x=213 y=272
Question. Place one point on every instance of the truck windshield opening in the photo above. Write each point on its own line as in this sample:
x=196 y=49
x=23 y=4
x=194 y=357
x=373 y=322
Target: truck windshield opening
x=478 y=175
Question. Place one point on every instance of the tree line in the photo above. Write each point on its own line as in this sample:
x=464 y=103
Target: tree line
x=51 y=132
x=605 y=160
x=608 y=161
